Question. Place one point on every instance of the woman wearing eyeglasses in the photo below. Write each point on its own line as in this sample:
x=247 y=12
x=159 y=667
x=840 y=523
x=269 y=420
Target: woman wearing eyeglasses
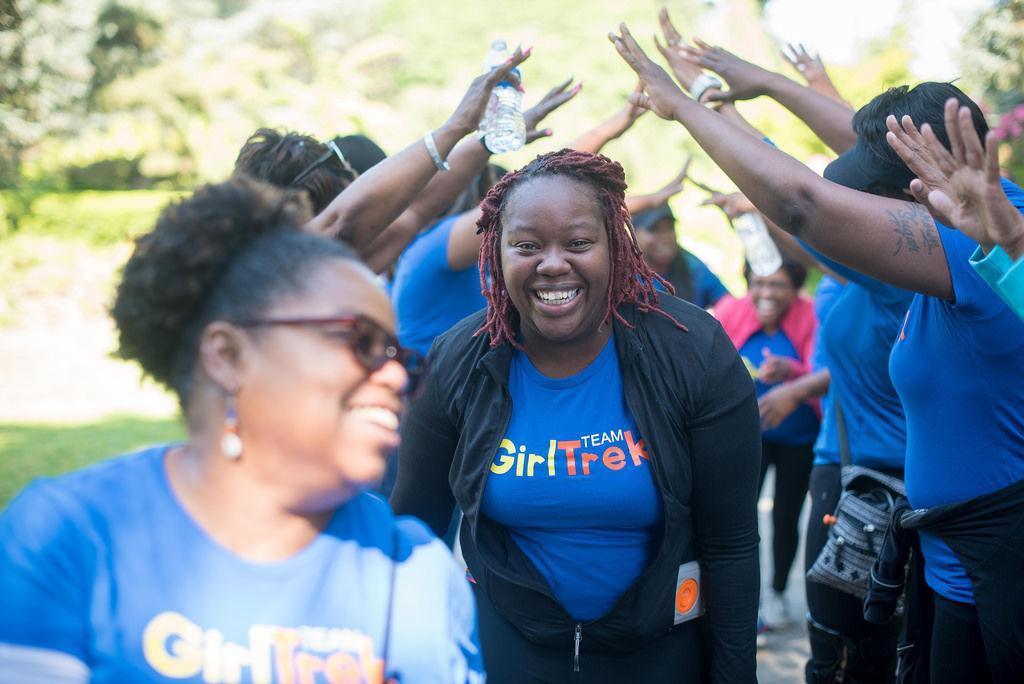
x=251 y=551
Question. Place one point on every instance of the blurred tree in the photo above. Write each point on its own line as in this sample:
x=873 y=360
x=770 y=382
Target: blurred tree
x=58 y=55
x=992 y=58
x=44 y=49
x=993 y=54
x=127 y=40
x=44 y=84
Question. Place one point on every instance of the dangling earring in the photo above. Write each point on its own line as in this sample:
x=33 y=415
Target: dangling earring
x=230 y=442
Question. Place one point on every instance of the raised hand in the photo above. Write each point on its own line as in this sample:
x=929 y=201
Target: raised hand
x=675 y=186
x=618 y=123
x=628 y=115
x=812 y=69
x=733 y=203
x=960 y=188
x=660 y=93
x=746 y=80
x=682 y=68
x=466 y=117
x=555 y=98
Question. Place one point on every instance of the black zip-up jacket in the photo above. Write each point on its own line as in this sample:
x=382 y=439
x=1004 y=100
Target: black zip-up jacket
x=987 y=535
x=695 y=407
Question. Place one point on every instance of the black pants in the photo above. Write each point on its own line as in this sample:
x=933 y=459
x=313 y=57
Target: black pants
x=958 y=652
x=792 y=468
x=510 y=658
x=837 y=618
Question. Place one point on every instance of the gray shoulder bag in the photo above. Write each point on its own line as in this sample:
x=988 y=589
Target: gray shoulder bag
x=860 y=521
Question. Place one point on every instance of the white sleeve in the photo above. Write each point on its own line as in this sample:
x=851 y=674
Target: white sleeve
x=29 y=665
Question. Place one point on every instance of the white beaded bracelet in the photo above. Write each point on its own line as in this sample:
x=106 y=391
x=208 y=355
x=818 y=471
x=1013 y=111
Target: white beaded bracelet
x=441 y=164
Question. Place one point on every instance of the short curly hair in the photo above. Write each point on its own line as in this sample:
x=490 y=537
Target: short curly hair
x=632 y=280
x=225 y=253
x=277 y=158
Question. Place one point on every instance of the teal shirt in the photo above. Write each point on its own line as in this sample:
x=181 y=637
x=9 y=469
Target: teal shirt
x=1003 y=274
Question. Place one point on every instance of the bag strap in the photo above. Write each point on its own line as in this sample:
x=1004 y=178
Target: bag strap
x=844 y=441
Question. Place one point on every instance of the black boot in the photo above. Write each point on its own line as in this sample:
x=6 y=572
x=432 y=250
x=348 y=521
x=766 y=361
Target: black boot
x=836 y=659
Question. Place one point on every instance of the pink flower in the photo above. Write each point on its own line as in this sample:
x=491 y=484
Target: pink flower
x=1000 y=131
x=1016 y=129
x=1018 y=112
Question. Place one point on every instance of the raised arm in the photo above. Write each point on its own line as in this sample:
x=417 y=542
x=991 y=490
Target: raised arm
x=830 y=120
x=467 y=160
x=380 y=195
x=609 y=129
x=891 y=240
x=638 y=203
x=736 y=203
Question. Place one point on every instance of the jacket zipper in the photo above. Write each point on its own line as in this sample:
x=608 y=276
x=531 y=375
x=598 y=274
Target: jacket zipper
x=576 y=647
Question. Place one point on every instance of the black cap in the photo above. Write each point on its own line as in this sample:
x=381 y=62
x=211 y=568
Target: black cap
x=360 y=151
x=646 y=220
x=858 y=168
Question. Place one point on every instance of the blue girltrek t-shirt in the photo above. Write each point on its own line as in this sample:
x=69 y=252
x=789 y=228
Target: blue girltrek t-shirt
x=572 y=482
x=428 y=296
x=799 y=427
x=825 y=298
x=959 y=369
x=856 y=337
x=104 y=566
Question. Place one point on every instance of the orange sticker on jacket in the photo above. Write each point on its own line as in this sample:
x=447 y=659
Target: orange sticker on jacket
x=687 y=598
x=686 y=595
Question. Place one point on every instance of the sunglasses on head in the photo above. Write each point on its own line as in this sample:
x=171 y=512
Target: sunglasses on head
x=332 y=151
x=372 y=345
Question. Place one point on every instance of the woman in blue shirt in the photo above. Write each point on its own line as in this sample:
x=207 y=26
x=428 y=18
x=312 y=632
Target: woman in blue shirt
x=251 y=551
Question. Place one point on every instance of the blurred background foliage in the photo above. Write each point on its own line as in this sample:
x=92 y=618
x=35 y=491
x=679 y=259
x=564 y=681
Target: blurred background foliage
x=135 y=94
x=993 y=64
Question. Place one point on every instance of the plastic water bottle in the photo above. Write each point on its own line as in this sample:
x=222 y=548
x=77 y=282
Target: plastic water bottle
x=762 y=254
x=502 y=126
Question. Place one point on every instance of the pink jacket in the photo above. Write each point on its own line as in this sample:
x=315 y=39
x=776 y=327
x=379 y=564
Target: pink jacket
x=739 y=318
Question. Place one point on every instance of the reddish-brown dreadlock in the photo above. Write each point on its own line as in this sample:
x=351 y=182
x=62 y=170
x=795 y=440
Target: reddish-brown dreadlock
x=631 y=280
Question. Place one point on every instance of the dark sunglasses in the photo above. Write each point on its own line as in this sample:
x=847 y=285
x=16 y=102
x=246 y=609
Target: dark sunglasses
x=372 y=345
x=332 y=151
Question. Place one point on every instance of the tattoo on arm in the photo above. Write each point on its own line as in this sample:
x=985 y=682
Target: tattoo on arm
x=905 y=221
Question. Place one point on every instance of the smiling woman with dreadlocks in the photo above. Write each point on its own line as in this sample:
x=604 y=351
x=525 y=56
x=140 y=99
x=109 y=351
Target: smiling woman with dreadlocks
x=603 y=443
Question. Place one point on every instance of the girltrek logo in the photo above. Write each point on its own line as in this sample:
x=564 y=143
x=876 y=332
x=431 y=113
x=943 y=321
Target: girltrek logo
x=178 y=648
x=612 y=450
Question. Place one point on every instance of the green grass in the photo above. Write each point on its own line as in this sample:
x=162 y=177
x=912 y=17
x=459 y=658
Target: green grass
x=92 y=217
x=30 y=450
